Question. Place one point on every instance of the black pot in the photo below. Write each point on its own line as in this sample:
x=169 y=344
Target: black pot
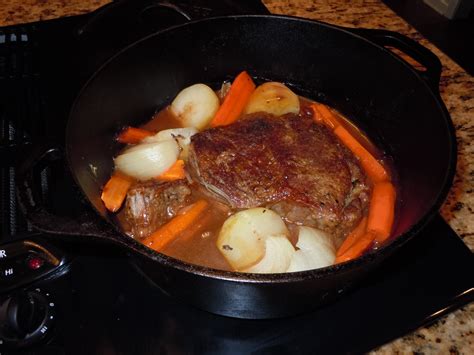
x=350 y=69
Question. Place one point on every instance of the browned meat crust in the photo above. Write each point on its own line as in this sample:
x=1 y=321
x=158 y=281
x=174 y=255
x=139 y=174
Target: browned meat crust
x=150 y=204
x=290 y=163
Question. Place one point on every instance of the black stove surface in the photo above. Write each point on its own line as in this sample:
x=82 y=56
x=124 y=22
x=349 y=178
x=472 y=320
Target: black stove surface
x=102 y=303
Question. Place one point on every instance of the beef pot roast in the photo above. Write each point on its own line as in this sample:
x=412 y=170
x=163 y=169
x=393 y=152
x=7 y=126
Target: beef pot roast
x=290 y=164
x=151 y=203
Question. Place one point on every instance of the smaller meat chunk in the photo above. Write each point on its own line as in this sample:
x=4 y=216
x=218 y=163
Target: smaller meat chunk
x=150 y=204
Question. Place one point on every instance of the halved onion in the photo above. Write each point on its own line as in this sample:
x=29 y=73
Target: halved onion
x=274 y=98
x=278 y=256
x=243 y=236
x=195 y=106
x=147 y=160
x=316 y=250
x=181 y=135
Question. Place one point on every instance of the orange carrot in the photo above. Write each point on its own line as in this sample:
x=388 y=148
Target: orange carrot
x=353 y=236
x=381 y=210
x=323 y=115
x=235 y=100
x=170 y=230
x=132 y=135
x=317 y=116
x=175 y=172
x=356 y=249
x=372 y=167
x=115 y=190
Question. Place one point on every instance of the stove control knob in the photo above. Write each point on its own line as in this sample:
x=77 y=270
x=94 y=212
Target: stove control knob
x=25 y=317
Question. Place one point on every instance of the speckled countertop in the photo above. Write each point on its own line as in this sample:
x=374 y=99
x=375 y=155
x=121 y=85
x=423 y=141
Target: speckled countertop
x=453 y=333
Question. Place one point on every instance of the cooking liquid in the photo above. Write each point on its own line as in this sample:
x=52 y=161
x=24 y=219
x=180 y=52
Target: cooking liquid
x=198 y=246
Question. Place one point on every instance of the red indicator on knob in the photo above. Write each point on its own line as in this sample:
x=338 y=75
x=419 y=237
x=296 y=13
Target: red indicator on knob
x=35 y=263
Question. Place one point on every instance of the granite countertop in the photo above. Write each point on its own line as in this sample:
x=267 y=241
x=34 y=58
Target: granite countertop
x=453 y=333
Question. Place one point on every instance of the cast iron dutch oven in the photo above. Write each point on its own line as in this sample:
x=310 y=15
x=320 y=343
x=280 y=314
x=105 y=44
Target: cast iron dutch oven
x=350 y=69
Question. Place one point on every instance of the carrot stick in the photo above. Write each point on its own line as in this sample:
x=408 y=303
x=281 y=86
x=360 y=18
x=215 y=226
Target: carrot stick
x=132 y=135
x=115 y=191
x=235 y=100
x=356 y=249
x=317 y=116
x=353 y=236
x=175 y=172
x=324 y=115
x=381 y=210
x=372 y=167
x=169 y=231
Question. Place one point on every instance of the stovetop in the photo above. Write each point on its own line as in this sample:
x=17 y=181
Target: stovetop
x=103 y=304
x=96 y=299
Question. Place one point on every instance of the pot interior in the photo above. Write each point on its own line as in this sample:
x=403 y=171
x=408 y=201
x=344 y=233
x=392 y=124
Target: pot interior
x=377 y=91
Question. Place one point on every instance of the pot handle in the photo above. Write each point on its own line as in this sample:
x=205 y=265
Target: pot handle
x=87 y=224
x=422 y=55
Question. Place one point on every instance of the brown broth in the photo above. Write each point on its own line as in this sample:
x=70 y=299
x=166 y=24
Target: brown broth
x=198 y=246
x=163 y=119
